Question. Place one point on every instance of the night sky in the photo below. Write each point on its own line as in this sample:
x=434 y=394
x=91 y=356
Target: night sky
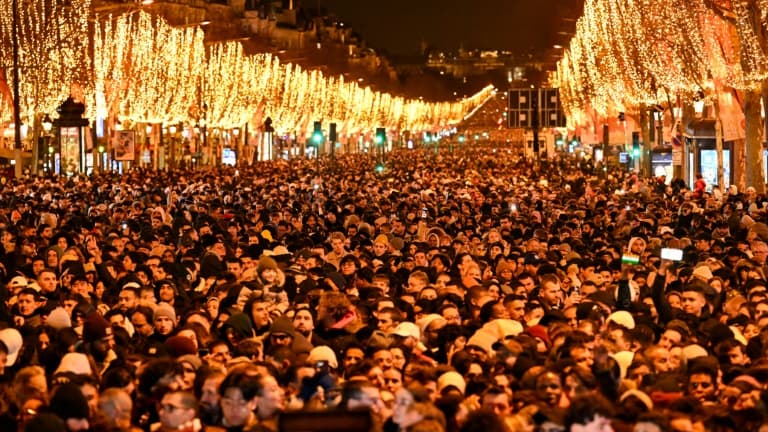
x=399 y=26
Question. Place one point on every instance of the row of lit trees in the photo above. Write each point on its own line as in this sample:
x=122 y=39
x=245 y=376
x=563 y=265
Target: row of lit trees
x=52 y=57
x=137 y=68
x=628 y=55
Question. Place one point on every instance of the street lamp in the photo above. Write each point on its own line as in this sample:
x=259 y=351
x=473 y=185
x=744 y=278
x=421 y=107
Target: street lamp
x=101 y=149
x=698 y=104
x=47 y=127
x=47 y=124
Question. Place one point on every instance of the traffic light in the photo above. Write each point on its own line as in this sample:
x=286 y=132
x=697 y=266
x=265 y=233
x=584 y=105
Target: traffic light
x=635 y=144
x=317 y=135
x=461 y=138
x=381 y=136
x=379 y=168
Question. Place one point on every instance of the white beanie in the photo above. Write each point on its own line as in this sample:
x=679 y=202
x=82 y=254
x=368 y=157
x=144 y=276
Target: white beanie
x=76 y=363
x=451 y=379
x=59 y=318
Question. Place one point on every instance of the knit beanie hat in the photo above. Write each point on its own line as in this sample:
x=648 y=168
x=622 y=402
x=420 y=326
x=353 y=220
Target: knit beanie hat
x=179 y=346
x=241 y=324
x=703 y=272
x=68 y=402
x=451 y=378
x=95 y=327
x=192 y=360
x=163 y=309
x=75 y=363
x=539 y=332
x=59 y=318
x=323 y=353
x=265 y=263
x=282 y=325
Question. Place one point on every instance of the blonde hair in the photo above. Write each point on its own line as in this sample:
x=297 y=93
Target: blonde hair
x=24 y=390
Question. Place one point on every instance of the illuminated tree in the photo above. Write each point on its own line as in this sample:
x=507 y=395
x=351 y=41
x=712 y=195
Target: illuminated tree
x=53 y=52
x=745 y=34
x=146 y=70
x=628 y=54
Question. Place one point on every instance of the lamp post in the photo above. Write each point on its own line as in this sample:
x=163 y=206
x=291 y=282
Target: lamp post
x=658 y=117
x=236 y=136
x=170 y=159
x=102 y=152
x=195 y=155
x=47 y=126
x=148 y=148
x=204 y=129
x=269 y=131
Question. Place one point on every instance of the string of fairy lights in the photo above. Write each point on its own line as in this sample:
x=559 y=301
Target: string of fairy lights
x=144 y=70
x=52 y=52
x=631 y=53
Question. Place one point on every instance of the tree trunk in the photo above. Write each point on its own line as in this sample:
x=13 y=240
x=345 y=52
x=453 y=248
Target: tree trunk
x=753 y=173
x=720 y=176
x=645 y=145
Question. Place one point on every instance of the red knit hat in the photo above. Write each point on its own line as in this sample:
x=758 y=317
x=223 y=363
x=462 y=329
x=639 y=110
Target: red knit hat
x=539 y=332
x=95 y=327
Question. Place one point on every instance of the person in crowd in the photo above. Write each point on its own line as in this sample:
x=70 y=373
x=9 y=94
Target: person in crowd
x=448 y=292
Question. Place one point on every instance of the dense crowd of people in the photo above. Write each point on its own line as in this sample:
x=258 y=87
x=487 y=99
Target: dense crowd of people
x=464 y=291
